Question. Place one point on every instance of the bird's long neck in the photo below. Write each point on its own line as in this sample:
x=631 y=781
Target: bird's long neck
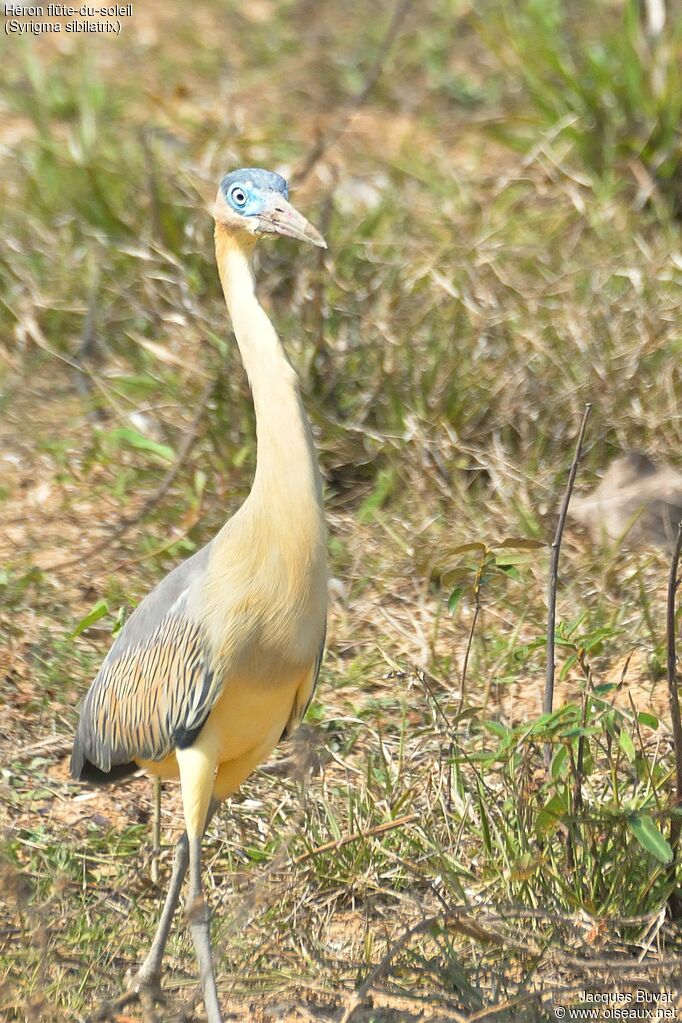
x=287 y=478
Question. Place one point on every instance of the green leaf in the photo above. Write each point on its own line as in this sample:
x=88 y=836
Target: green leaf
x=558 y=762
x=627 y=745
x=467 y=713
x=604 y=688
x=511 y=572
x=126 y=435
x=385 y=486
x=550 y=816
x=569 y=663
x=575 y=733
x=650 y=838
x=592 y=640
x=455 y=598
x=119 y=622
x=609 y=720
x=546 y=724
x=497 y=728
x=648 y=719
x=100 y=609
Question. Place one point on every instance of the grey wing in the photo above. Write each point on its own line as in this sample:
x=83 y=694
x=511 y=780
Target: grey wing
x=155 y=688
x=154 y=608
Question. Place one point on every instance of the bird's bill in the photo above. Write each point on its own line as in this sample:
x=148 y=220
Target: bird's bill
x=281 y=218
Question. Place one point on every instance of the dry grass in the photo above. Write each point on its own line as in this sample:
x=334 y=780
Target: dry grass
x=471 y=301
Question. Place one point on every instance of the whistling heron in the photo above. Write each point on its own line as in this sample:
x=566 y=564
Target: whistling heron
x=219 y=662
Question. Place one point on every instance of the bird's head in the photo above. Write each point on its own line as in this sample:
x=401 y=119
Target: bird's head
x=256 y=202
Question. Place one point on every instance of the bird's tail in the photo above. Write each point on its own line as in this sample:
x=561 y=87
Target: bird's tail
x=84 y=770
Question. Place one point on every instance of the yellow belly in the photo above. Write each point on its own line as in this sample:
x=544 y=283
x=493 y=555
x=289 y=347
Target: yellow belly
x=250 y=716
x=242 y=729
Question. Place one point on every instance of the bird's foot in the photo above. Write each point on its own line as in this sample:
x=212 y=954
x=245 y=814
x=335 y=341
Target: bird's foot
x=143 y=987
x=145 y=983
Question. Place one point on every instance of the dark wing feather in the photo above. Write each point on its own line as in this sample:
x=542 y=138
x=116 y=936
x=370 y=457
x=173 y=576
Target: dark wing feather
x=147 y=699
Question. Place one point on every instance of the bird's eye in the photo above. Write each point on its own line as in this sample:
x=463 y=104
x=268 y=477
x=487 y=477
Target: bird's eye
x=238 y=196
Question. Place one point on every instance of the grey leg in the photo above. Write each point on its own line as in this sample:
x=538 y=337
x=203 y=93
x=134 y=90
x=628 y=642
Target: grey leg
x=145 y=985
x=199 y=918
x=156 y=830
x=149 y=975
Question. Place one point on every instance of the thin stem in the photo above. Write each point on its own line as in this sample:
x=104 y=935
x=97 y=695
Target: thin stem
x=554 y=575
x=554 y=566
x=470 y=640
x=673 y=695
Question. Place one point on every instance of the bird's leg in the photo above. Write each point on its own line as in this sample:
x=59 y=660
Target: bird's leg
x=199 y=917
x=149 y=975
x=146 y=983
x=197 y=765
x=156 y=830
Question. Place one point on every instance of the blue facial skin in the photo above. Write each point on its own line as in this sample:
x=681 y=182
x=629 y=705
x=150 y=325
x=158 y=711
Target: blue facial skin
x=250 y=191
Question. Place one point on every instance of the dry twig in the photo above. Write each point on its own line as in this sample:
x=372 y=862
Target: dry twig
x=54 y=745
x=554 y=571
x=339 y=843
x=673 y=696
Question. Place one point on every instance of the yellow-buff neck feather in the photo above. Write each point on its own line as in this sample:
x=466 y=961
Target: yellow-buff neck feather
x=287 y=480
